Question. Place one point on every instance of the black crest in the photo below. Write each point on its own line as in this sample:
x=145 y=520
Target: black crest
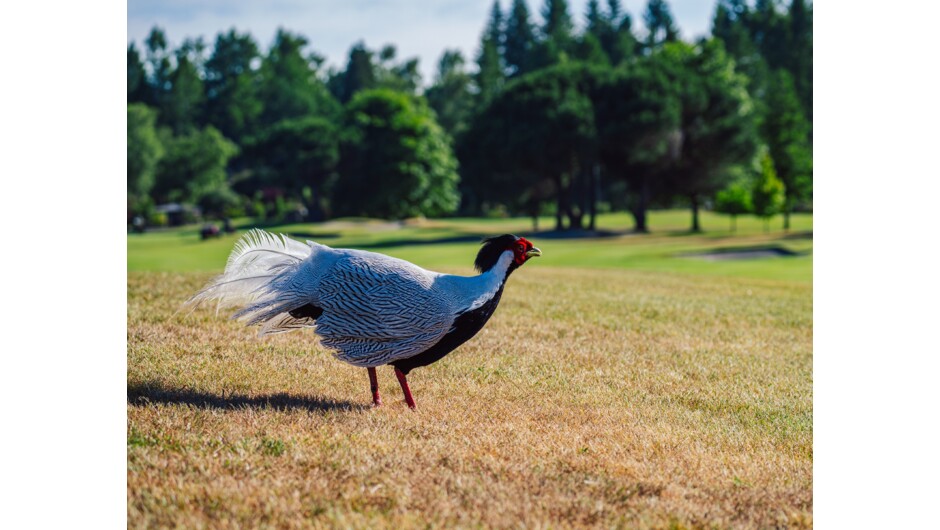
x=492 y=248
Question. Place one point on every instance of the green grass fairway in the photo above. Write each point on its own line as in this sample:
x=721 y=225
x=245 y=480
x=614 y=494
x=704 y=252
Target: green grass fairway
x=660 y=251
x=619 y=384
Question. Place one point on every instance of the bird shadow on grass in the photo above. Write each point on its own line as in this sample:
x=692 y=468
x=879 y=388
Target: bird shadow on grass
x=142 y=395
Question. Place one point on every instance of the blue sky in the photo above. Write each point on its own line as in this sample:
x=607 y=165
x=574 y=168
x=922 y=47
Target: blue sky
x=418 y=28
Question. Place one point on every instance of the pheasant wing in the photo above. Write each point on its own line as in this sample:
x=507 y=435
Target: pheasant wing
x=376 y=311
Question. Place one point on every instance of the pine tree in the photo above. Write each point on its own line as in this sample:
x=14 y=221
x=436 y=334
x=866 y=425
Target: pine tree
x=490 y=68
x=769 y=33
x=659 y=24
x=450 y=95
x=359 y=73
x=520 y=40
x=136 y=76
x=625 y=44
x=158 y=59
x=495 y=31
x=558 y=24
x=800 y=50
x=612 y=30
x=729 y=25
x=595 y=19
x=786 y=131
x=555 y=42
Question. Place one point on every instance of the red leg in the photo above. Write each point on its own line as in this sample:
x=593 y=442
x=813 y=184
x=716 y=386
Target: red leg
x=374 y=383
x=404 y=388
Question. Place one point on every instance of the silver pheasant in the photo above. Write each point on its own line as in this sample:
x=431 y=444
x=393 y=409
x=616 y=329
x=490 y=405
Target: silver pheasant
x=368 y=308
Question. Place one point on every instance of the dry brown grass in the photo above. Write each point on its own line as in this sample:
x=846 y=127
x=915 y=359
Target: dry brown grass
x=592 y=398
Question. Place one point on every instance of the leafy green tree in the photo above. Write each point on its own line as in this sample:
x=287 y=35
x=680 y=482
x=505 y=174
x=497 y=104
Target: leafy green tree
x=221 y=202
x=520 y=40
x=638 y=114
x=734 y=201
x=450 y=95
x=659 y=24
x=193 y=166
x=299 y=156
x=768 y=194
x=396 y=161
x=233 y=104
x=143 y=151
x=496 y=165
x=786 y=133
x=717 y=126
x=290 y=82
x=535 y=141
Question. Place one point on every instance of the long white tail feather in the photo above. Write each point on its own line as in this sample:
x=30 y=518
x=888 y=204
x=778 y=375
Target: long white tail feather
x=259 y=249
x=258 y=277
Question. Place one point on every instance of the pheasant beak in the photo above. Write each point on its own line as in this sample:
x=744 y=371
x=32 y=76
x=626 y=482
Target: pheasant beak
x=533 y=253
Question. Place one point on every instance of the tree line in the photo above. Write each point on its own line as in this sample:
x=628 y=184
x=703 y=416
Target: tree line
x=549 y=119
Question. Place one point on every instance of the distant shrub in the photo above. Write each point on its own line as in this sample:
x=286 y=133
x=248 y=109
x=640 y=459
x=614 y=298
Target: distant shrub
x=220 y=202
x=495 y=211
x=158 y=219
x=257 y=210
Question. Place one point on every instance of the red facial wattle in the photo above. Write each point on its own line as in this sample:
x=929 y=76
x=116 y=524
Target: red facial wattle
x=522 y=250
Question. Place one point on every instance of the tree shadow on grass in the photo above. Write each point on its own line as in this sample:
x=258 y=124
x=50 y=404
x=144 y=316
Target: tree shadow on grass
x=806 y=234
x=142 y=395
x=473 y=238
x=478 y=238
